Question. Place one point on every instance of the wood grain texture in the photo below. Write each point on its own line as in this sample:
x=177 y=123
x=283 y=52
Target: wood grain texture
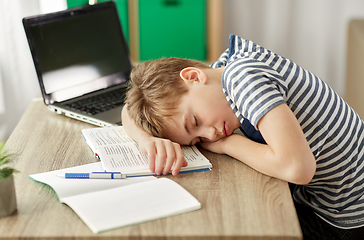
x=237 y=202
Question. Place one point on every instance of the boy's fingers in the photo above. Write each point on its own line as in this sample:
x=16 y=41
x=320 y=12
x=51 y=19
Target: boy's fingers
x=170 y=158
x=160 y=158
x=151 y=153
x=162 y=155
x=180 y=160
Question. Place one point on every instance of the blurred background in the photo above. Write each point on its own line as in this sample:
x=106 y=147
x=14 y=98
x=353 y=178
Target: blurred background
x=312 y=33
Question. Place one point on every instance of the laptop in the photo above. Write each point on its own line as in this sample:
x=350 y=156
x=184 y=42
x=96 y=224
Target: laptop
x=82 y=62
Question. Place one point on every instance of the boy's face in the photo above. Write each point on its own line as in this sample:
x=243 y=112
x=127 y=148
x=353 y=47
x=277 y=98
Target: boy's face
x=203 y=115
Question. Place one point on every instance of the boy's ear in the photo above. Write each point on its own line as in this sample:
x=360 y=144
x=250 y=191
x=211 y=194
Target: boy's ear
x=193 y=75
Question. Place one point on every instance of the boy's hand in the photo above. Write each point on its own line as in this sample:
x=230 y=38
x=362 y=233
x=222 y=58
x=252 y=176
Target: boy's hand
x=217 y=146
x=162 y=155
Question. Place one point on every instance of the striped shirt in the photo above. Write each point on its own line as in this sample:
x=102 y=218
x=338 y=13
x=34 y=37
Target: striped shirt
x=256 y=80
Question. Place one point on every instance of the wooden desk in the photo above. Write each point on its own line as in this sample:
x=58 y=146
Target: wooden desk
x=237 y=202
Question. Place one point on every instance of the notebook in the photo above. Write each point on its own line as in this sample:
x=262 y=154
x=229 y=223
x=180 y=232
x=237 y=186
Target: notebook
x=82 y=62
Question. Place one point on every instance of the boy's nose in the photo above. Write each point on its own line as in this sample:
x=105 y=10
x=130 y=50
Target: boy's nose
x=211 y=134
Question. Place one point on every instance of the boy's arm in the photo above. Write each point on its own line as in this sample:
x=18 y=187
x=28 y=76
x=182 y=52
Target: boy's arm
x=162 y=153
x=286 y=155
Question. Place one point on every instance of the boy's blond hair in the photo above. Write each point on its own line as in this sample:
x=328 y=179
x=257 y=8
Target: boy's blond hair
x=155 y=92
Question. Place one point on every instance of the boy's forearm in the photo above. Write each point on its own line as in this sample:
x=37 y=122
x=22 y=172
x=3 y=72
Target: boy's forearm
x=262 y=158
x=286 y=155
x=130 y=128
x=162 y=153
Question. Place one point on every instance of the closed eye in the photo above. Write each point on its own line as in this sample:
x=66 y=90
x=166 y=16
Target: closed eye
x=196 y=122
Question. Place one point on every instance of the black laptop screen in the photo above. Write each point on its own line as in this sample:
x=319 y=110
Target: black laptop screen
x=77 y=48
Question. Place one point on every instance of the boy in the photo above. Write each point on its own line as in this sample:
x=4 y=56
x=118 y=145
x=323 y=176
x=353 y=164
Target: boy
x=298 y=129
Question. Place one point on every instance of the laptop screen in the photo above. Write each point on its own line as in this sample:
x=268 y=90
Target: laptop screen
x=78 y=51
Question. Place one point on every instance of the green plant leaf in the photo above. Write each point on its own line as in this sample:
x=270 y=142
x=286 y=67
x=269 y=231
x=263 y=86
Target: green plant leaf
x=5 y=158
x=6 y=172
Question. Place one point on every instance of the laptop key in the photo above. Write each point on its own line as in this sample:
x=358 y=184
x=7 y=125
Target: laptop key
x=100 y=103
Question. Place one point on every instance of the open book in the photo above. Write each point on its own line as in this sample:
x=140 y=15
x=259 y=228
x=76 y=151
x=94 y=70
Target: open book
x=105 y=204
x=120 y=153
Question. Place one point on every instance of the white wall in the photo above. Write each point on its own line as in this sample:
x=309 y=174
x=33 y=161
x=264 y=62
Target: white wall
x=18 y=79
x=312 y=33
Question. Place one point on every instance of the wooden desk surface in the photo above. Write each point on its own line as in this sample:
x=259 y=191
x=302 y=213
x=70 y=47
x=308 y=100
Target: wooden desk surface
x=237 y=202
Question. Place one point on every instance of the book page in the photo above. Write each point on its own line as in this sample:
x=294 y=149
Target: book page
x=137 y=203
x=108 y=136
x=71 y=187
x=127 y=159
x=119 y=152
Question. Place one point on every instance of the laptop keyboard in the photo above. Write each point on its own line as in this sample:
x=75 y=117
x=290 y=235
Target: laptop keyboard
x=99 y=103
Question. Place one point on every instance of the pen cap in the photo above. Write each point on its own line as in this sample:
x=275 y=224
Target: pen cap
x=110 y=175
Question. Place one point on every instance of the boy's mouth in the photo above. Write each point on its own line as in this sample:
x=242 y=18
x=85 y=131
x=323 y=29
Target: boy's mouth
x=226 y=130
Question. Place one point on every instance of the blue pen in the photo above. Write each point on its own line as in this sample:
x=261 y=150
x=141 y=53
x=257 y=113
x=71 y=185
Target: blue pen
x=95 y=175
